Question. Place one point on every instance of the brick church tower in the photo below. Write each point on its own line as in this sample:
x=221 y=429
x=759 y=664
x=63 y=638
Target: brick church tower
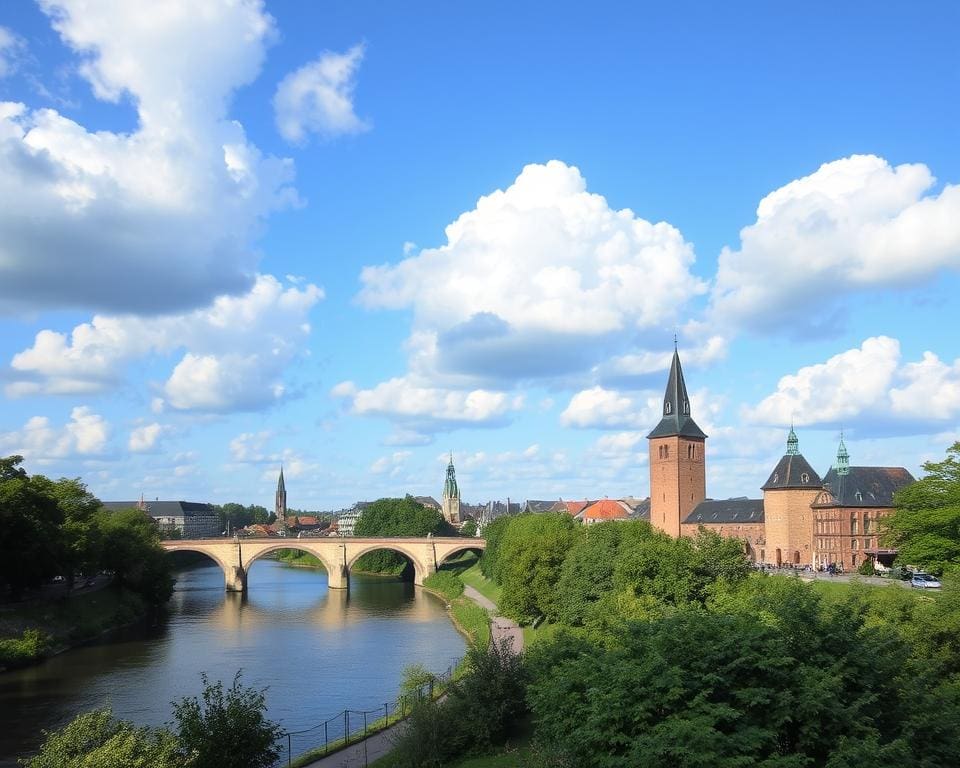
x=678 y=479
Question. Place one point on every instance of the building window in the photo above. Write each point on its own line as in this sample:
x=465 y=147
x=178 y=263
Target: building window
x=866 y=524
x=804 y=478
x=667 y=407
x=776 y=477
x=854 y=545
x=853 y=524
x=859 y=496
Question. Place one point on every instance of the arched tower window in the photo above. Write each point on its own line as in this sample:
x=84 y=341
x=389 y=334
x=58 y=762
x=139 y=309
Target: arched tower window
x=667 y=407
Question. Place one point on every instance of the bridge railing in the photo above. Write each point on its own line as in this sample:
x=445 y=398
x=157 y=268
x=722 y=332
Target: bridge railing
x=350 y=726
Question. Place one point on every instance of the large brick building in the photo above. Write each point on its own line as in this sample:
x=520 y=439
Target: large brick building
x=801 y=519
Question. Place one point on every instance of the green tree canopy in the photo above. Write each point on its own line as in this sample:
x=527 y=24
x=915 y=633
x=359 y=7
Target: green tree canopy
x=31 y=540
x=396 y=517
x=529 y=561
x=925 y=524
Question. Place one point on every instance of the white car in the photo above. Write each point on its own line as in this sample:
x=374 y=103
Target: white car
x=924 y=581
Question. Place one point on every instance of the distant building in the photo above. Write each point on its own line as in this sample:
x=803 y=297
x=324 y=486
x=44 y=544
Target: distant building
x=429 y=502
x=604 y=511
x=189 y=519
x=347 y=518
x=451 y=496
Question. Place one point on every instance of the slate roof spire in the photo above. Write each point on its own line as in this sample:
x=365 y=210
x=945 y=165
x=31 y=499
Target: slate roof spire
x=280 y=505
x=676 y=406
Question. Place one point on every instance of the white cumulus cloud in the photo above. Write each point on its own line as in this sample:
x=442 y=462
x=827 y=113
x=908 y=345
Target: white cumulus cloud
x=868 y=384
x=539 y=279
x=855 y=224
x=236 y=350
x=602 y=408
x=318 y=98
x=86 y=434
x=162 y=217
x=144 y=438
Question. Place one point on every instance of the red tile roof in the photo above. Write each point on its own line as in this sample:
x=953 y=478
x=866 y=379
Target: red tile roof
x=606 y=509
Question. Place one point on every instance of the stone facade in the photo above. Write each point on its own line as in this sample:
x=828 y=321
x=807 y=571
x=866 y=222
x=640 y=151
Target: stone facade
x=841 y=535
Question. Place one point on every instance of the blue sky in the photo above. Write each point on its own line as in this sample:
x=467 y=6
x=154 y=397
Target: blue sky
x=352 y=237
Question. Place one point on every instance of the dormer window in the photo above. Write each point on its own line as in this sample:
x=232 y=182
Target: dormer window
x=667 y=407
x=776 y=477
x=859 y=496
x=804 y=478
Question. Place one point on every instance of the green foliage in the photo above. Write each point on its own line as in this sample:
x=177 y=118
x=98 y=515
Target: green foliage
x=16 y=651
x=530 y=557
x=866 y=568
x=469 y=528
x=240 y=516
x=473 y=620
x=765 y=675
x=30 y=525
x=97 y=740
x=415 y=681
x=131 y=549
x=226 y=728
x=479 y=712
x=925 y=524
x=446 y=583
x=396 y=517
x=493 y=533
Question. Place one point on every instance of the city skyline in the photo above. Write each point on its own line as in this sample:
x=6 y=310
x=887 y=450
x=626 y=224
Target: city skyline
x=349 y=239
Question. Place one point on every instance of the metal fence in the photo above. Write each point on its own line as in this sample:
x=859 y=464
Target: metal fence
x=350 y=726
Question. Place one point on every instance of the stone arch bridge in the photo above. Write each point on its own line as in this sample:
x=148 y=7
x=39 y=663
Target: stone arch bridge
x=235 y=556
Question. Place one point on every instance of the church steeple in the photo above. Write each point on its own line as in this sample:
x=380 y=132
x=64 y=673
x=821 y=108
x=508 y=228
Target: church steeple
x=450 y=489
x=676 y=407
x=843 y=458
x=451 y=496
x=280 y=505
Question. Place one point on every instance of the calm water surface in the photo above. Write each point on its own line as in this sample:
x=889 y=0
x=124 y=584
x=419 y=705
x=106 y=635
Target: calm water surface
x=318 y=650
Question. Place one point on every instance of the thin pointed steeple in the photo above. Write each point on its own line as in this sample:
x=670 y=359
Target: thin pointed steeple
x=843 y=458
x=676 y=406
x=793 y=444
x=280 y=505
x=450 y=489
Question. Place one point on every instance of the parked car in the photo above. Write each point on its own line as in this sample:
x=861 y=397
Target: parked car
x=924 y=581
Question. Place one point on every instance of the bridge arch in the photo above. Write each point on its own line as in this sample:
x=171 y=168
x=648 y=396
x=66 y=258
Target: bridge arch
x=297 y=544
x=228 y=570
x=479 y=548
x=420 y=569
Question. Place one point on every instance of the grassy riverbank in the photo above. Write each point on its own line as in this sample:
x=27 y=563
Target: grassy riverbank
x=32 y=632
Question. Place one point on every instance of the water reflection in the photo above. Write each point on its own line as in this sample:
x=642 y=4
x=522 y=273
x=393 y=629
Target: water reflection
x=318 y=650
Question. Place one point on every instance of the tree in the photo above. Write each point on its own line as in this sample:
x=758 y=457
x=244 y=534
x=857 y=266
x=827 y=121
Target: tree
x=30 y=528
x=493 y=534
x=925 y=523
x=227 y=728
x=131 y=549
x=469 y=528
x=82 y=533
x=97 y=740
x=396 y=517
x=529 y=561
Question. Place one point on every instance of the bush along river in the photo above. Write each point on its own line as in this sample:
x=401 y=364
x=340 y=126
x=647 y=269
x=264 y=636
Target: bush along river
x=318 y=651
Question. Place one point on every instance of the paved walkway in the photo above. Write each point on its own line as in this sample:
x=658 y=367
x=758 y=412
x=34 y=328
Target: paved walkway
x=378 y=745
x=500 y=627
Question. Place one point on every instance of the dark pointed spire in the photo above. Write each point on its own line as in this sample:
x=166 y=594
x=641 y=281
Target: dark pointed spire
x=676 y=406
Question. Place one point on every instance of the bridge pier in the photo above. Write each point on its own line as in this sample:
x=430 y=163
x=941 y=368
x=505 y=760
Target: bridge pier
x=338 y=577
x=235 y=578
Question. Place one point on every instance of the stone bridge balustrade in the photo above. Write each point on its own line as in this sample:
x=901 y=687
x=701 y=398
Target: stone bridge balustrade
x=235 y=556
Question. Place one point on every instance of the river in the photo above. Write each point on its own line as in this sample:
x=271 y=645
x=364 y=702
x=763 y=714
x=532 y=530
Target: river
x=318 y=651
